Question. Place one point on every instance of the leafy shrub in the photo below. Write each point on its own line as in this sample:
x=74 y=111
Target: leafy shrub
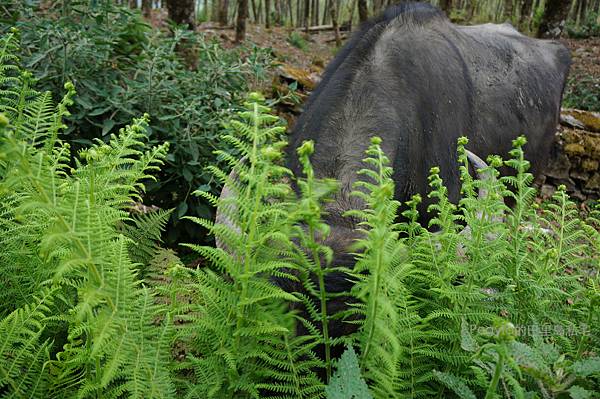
x=75 y=320
x=122 y=68
x=582 y=92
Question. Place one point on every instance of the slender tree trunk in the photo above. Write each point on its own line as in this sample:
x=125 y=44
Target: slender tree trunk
x=182 y=12
x=583 y=6
x=258 y=16
x=526 y=13
x=353 y=5
x=267 y=14
x=446 y=6
x=472 y=5
x=277 y=16
x=214 y=10
x=306 y=20
x=326 y=12
x=334 y=22
x=223 y=12
x=363 y=11
x=147 y=8
x=554 y=18
x=508 y=10
x=291 y=11
x=254 y=16
x=240 y=26
x=376 y=6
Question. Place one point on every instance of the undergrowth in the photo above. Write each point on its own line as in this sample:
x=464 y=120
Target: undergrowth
x=122 y=68
x=498 y=302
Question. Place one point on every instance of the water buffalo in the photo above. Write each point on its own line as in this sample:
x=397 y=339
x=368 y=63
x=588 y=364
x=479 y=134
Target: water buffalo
x=419 y=82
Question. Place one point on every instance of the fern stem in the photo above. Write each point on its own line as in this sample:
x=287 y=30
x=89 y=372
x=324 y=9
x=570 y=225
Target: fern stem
x=380 y=247
x=323 y=299
x=372 y=312
x=584 y=338
x=491 y=392
x=250 y=227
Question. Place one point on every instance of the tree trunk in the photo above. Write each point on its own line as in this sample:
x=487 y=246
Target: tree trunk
x=508 y=10
x=147 y=8
x=278 y=13
x=182 y=12
x=363 y=11
x=446 y=6
x=240 y=26
x=214 y=10
x=553 y=19
x=223 y=12
x=326 y=13
x=334 y=22
x=258 y=16
x=254 y=16
x=306 y=20
x=583 y=6
x=376 y=6
x=472 y=5
x=133 y=4
x=526 y=13
x=267 y=14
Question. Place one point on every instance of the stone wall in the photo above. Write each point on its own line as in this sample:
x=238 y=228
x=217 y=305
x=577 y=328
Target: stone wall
x=576 y=156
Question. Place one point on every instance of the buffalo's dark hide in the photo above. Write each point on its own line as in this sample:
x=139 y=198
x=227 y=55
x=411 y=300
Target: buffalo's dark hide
x=419 y=82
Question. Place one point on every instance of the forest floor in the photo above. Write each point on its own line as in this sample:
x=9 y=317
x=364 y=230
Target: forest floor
x=585 y=54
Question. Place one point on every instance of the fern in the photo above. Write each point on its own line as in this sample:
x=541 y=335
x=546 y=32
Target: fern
x=243 y=344
x=92 y=333
x=314 y=260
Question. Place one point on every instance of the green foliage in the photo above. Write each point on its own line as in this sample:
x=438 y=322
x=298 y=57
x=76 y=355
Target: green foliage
x=297 y=40
x=242 y=340
x=122 y=68
x=583 y=29
x=347 y=383
x=75 y=321
x=582 y=92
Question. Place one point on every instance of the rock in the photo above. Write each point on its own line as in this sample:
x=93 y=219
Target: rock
x=574 y=149
x=559 y=167
x=590 y=165
x=307 y=79
x=586 y=120
x=579 y=175
x=593 y=184
x=547 y=191
x=568 y=120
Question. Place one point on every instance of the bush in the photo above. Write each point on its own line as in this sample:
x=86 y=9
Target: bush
x=75 y=320
x=582 y=92
x=122 y=68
